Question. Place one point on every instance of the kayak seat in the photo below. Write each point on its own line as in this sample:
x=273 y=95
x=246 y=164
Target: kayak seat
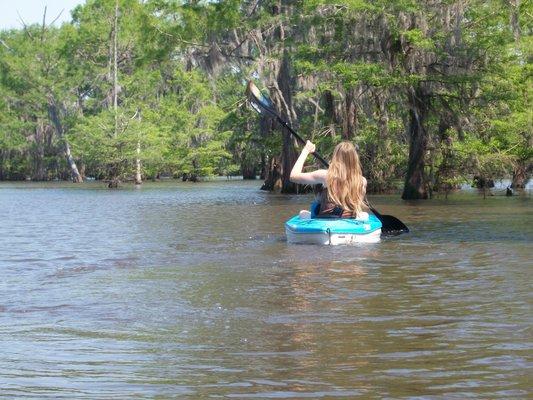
x=315 y=211
x=336 y=213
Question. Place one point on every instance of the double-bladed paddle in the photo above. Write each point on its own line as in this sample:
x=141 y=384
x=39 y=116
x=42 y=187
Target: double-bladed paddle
x=391 y=226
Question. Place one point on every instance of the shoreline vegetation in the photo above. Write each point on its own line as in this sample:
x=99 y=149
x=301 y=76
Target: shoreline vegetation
x=499 y=187
x=435 y=95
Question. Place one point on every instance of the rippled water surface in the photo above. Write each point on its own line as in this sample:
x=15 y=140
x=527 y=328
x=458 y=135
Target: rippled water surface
x=190 y=291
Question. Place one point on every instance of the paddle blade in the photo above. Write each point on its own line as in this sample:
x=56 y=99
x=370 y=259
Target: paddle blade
x=392 y=226
x=256 y=107
x=259 y=101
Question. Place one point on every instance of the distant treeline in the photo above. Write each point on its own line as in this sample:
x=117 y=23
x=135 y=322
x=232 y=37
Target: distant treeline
x=432 y=92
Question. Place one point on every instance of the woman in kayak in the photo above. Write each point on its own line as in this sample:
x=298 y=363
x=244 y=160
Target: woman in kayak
x=344 y=184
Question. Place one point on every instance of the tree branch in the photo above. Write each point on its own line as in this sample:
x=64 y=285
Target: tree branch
x=25 y=26
x=43 y=27
x=56 y=18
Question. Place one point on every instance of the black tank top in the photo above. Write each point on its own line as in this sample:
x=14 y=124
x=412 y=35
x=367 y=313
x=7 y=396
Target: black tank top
x=329 y=209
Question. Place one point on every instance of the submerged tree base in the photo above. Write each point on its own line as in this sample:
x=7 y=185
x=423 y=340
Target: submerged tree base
x=113 y=183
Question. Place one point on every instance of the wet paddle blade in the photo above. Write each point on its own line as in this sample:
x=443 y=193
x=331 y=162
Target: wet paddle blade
x=392 y=226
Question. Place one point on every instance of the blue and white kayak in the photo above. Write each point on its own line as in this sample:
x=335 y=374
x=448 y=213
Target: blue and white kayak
x=333 y=231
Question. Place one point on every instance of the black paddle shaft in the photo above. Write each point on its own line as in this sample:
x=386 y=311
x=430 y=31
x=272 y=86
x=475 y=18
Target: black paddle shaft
x=302 y=141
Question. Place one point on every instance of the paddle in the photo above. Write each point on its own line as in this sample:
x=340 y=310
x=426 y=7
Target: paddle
x=392 y=226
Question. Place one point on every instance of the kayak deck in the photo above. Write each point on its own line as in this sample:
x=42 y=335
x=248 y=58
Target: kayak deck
x=333 y=231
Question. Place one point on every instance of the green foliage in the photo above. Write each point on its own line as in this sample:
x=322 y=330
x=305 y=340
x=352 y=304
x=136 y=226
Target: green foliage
x=344 y=5
x=372 y=74
x=416 y=38
x=181 y=77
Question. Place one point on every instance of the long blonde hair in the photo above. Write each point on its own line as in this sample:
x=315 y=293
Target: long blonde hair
x=345 y=179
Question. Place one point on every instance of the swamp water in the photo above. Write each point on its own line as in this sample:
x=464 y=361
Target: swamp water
x=190 y=291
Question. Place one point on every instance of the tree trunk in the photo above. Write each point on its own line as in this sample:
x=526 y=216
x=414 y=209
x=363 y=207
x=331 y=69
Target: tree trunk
x=378 y=169
x=81 y=169
x=283 y=99
x=248 y=170
x=138 y=172
x=289 y=155
x=521 y=175
x=249 y=173
x=446 y=170
x=415 y=183
x=115 y=67
x=514 y=21
x=350 y=120
x=288 y=159
x=39 y=173
x=54 y=117
x=264 y=170
x=271 y=172
x=138 y=176
x=281 y=92
x=330 y=111
x=273 y=178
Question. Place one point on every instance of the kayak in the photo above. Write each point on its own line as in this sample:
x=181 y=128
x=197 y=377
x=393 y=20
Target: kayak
x=333 y=231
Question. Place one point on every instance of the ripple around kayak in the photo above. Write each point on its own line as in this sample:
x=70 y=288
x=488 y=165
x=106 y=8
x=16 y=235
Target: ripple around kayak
x=333 y=231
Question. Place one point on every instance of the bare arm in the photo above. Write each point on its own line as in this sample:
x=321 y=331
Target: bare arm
x=310 y=178
x=307 y=178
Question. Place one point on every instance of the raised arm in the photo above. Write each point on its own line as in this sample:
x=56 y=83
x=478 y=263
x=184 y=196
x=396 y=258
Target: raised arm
x=307 y=178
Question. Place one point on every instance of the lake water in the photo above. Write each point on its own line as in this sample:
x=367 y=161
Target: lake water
x=190 y=291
